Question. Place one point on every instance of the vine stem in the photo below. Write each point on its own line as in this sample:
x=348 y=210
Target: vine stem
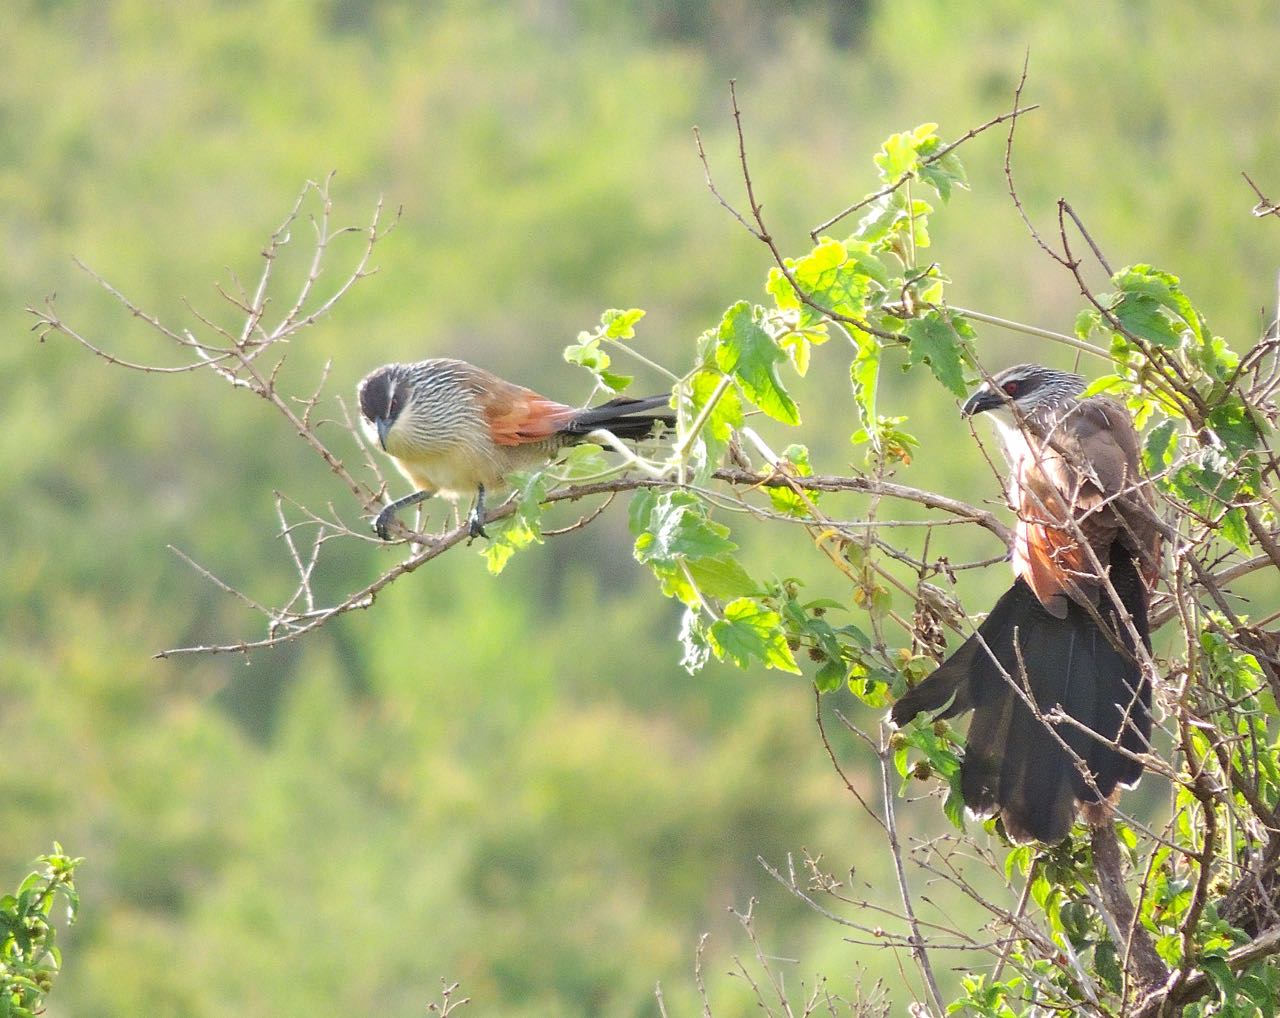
x=1033 y=330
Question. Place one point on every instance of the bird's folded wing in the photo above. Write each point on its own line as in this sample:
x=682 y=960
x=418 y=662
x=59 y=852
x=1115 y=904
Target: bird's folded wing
x=1082 y=480
x=517 y=416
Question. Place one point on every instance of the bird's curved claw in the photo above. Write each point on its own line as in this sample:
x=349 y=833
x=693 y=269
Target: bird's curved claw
x=382 y=523
x=475 y=527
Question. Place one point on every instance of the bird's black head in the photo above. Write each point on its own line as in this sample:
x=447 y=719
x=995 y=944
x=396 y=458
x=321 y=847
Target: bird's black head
x=382 y=395
x=1025 y=386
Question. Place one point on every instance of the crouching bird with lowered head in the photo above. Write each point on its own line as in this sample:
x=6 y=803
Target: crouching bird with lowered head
x=1061 y=703
x=454 y=429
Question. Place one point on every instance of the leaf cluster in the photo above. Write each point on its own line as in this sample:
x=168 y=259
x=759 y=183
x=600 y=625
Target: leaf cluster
x=29 y=955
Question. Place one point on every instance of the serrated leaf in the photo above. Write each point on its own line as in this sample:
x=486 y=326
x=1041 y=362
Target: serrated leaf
x=697 y=649
x=621 y=324
x=745 y=350
x=749 y=631
x=1141 y=316
x=673 y=581
x=779 y=287
x=583 y=460
x=1103 y=383
x=640 y=511
x=678 y=526
x=935 y=341
x=867 y=263
x=726 y=415
x=832 y=279
x=943 y=174
x=830 y=676
x=794 y=460
x=1086 y=322
x=796 y=345
x=497 y=555
x=722 y=576
x=1235 y=529
x=616 y=382
x=1157 y=452
x=864 y=373
x=1164 y=289
x=880 y=217
x=953 y=804
x=1234 y=426
x=900 y=153
x=588 y=355
x=515 y=534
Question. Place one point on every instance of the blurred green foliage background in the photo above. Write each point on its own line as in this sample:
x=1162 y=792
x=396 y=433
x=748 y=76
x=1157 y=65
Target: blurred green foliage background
x=504 y=781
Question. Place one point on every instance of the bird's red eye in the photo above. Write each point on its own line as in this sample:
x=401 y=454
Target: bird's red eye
x=1011 y=388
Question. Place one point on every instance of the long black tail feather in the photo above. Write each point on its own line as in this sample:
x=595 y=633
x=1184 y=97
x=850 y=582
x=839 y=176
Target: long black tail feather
x=626 y=417
x=1013 y=763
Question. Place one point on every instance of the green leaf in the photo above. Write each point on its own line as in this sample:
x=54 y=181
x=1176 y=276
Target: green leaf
x=953 y=804
x=936 y=341
x=901 y=152
x=722 y=576
x=794 y=461
x=1234 y=426
x=1158 y=451
x=749 y=631
x=726 y=415
x=697 y=649
x=497 y=554
x=1143 y=317
x=864 y=373
x=1235 y=529
x=831 y=675
x=942 y=174
x=745 y=350
x=1103 y=383
x=918 y=225
x=641 y=510
x=587 y=353
x=896 y=157
x=522 y=528
x=880 y=218
x=678 y=526
x=797 y=345
x=1107 y=962
x=833 y=279
x=621 y=324
x=584 y=460
x=1086 y=322
x=1220 y=972
x=1163 y=289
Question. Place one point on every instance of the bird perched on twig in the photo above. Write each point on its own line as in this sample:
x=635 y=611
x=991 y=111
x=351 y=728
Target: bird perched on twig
x=455 y=429
x=1062 y=706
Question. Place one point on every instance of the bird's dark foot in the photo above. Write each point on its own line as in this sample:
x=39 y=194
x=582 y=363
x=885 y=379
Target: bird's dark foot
x=475 y=527
x=382 y=524
x=475 y=518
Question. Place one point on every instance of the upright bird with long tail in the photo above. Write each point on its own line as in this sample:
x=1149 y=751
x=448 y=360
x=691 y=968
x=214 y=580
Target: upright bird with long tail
x=1061 y=703
x=454 y=429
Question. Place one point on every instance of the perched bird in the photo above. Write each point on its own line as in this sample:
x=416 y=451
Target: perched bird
x=1060 y=638
x=455 y=429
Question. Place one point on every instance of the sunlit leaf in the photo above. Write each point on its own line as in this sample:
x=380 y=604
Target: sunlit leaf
x=745 y=350
x=621 y=324
x=678 y=526
x=748 y=631
x=936 y=341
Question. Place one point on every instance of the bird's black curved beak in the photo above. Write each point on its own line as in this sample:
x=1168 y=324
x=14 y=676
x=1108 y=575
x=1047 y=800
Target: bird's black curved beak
x=383 y=425
x=982 y=400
